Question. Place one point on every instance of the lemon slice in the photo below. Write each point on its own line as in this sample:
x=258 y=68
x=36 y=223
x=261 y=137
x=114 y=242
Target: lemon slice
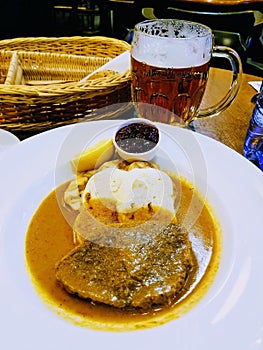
x=93 y=156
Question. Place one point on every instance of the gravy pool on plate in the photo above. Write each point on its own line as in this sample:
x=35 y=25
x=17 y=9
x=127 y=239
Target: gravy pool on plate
x=49 y=239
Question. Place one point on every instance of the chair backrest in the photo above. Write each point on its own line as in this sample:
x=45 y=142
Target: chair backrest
x=77 y=17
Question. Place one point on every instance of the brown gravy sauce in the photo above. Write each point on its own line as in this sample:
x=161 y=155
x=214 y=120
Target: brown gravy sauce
x=49 y=238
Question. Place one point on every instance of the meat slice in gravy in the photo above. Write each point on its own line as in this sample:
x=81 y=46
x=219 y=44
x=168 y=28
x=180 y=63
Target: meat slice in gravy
x=146 y=266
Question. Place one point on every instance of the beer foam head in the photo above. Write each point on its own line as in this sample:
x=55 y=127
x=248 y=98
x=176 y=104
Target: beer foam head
x=172 y=43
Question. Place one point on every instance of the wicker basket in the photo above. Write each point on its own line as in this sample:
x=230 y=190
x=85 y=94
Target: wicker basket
x=39 y=81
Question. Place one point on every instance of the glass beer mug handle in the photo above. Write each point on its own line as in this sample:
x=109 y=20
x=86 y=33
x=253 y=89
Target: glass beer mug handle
x=236 y=66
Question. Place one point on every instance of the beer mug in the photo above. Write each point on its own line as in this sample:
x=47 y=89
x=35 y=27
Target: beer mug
x=170 y=62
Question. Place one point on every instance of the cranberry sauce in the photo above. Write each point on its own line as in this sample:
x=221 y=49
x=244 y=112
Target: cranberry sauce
x=137 y=137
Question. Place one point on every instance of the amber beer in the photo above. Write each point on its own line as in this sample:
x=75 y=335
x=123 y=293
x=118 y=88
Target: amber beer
x=169 y=63
x=179 y=90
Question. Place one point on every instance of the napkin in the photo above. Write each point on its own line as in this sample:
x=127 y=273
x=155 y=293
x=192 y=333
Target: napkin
x=255 y=84
x=119 y=64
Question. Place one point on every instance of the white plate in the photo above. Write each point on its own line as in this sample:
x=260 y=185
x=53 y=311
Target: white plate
x=7 y=139
x=229 y=316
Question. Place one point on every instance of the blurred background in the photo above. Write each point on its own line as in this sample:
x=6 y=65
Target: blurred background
x=235 y=24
